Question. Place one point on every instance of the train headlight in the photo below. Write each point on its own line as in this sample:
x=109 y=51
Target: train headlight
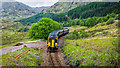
x=55 y=44
x=49 y=43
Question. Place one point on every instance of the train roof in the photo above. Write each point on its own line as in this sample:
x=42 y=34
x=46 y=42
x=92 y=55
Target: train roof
x=54 y=33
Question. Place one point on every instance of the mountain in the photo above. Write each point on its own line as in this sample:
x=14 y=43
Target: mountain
x=39 y=9
x=12 y=11
x=62 y=7
x=94 y=9
x=97 y=9
x=15 y=10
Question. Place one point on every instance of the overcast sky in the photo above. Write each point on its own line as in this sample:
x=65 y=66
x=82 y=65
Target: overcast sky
x=38 y=3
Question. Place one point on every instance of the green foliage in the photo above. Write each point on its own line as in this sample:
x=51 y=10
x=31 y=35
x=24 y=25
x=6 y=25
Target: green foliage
x=76 y=35
x=11 y=26
x=57 y=17
x=118 y=17
x=110 y=21
x=14 y=38
x=83 y=33
x=43 y=27
x=94 y=9
x=24 y=29
x=90 y=22
x=118 y=24
x=27 y=59
x=92 y=52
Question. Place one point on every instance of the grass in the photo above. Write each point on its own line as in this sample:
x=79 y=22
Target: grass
x=101 y=48
x=31 y=58
x=89 y=52
x=9 y=39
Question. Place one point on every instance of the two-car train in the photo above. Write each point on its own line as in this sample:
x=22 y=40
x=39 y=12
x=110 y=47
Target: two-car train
x=53 y=38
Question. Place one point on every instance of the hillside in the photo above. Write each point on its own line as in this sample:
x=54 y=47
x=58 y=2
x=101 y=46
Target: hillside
x=15 y=10
x=94 y=9
x=39 y=9
x=35 y=18
x=11 y=27
x=95 y=46
x=62 y=7
x=12 y=11
x=97 y=9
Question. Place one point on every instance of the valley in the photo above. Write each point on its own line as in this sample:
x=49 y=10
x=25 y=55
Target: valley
x=93 y=38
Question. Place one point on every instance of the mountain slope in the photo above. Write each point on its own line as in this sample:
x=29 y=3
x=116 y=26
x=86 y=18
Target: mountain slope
x=61 y=7
x=39 y=9
x=94 y=9
x=15 y=10
x=35 y=18
x=9 y=27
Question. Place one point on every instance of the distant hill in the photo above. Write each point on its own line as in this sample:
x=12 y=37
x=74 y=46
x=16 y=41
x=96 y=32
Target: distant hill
x=62 y=7
x=35 y=18
x=15 y=10
x=12 y=11
x=39 y=9
x=94 y=9
x=97 y=9
x=9 y=27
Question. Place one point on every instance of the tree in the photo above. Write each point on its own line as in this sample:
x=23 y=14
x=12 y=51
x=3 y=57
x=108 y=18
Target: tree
x=100 y=20
x=43 y=27
x=90 y=22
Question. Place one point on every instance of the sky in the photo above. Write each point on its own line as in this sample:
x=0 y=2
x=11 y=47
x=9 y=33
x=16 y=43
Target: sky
x=38 y=3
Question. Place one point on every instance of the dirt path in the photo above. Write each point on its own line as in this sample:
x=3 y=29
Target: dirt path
x=14 y=48
x=9 y=49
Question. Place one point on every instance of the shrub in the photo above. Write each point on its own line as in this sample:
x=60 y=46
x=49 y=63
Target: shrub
x=43 y=27
x=102 y=24
x=83 y=33
x=76 y=35
x=110 y=21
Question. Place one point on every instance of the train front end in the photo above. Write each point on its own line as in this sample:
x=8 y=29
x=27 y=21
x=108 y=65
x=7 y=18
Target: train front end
x=52 y=43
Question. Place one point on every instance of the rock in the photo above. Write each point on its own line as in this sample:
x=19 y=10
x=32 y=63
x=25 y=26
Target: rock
x=19 y=44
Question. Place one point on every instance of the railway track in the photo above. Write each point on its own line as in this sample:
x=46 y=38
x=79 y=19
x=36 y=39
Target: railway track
x=54 y=60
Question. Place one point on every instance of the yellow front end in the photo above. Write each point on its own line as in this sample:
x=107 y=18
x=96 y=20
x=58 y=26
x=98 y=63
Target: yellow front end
x=52 y=42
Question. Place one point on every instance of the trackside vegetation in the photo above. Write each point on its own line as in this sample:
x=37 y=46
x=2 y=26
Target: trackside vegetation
x=94 y=46
x=10 y=39
x=30 y=58
x=43 y=27
x=91 y=21
x=92 y=52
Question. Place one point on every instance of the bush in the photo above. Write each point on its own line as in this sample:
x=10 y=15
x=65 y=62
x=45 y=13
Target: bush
x=43 y=27
x=102 y=24
x=83 y=33
x=76 y=35
x=110 y=21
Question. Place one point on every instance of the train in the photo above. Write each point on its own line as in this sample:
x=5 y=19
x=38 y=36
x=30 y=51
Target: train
x=53 y=38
